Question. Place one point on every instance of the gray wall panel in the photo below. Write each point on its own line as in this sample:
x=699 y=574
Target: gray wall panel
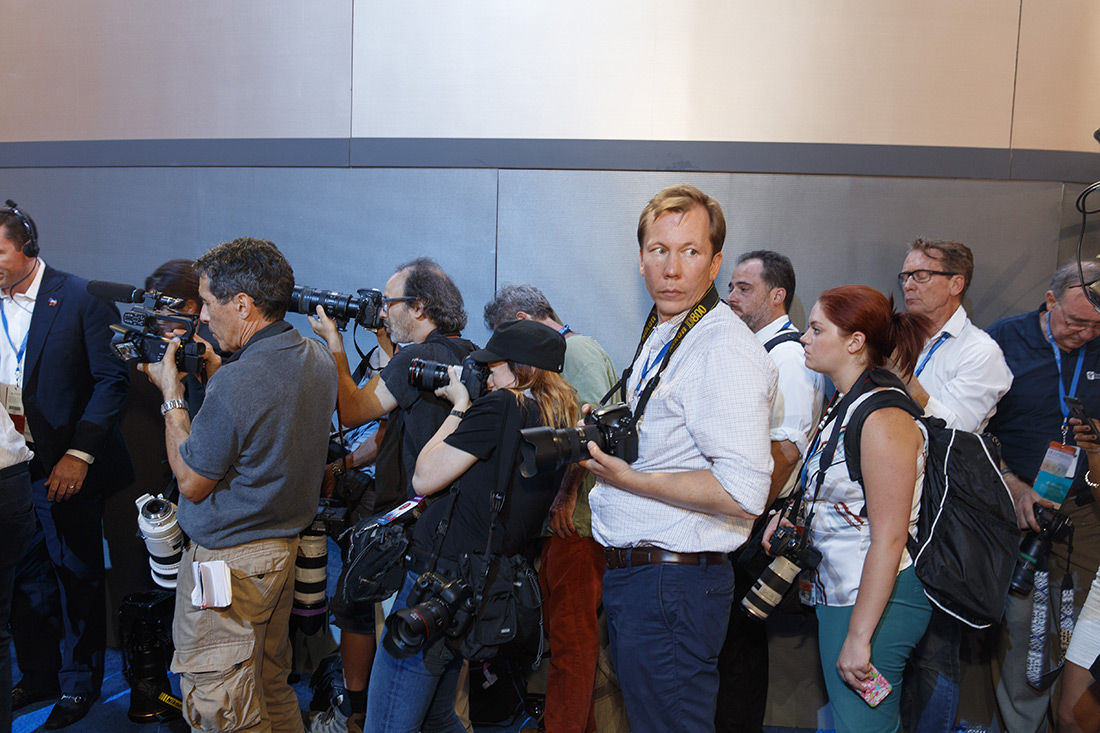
x=340 y=229
x=573 y=234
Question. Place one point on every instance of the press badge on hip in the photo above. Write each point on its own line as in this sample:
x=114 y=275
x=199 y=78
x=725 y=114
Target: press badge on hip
x=13 y=401
x=1056 y=472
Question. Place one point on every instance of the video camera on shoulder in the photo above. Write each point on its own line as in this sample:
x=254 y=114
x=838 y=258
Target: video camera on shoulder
x=141 y=336
x=610 y=427
x=430 y=375
x=365 y=307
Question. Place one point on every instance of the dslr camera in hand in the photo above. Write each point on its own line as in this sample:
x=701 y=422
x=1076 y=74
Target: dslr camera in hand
x=141 y=337
x=365 y=307
x=793 y=554
x=431 y=375
x=610 y=427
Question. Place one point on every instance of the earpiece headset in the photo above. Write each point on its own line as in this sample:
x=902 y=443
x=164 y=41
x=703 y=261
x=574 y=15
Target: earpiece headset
x=30 y=249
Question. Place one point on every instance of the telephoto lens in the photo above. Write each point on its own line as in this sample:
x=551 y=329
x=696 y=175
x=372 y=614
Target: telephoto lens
x=163 y=537
x=310 y=606
x=1035 y=547
x=791 y=558
x=428 y=375
x=548 y=449
x=365 y=307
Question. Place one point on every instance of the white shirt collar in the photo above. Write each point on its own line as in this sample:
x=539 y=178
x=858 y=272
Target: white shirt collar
x=773 y=329
x=954 y=325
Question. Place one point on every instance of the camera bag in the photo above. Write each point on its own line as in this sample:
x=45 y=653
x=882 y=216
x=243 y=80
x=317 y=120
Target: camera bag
x=966 y=544
x=507 y=601
x=375 y=559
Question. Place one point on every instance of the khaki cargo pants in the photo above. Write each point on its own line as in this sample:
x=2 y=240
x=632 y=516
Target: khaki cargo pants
x=234 y=661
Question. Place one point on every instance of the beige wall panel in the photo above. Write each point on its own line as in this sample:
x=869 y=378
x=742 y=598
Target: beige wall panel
x=1057 y=99
x=122 y=69
x=852 y=71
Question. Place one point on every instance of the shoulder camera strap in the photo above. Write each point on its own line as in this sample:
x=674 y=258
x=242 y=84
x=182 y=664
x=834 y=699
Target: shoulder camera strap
x=709 y=302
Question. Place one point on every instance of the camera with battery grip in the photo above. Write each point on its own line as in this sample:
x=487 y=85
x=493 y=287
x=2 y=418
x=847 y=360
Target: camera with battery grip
x=793 y=553
x=1035 y=547
x=429 y=376
x=436 y=604
x=611 y=427
x=364 y=308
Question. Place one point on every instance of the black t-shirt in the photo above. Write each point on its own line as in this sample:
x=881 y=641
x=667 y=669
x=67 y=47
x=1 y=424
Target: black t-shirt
x=418 y=414
x=529 y=499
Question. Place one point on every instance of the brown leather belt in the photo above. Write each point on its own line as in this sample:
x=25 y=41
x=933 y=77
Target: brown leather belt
x=626 y=557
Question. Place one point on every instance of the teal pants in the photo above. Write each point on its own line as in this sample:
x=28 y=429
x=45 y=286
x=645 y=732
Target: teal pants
x=902 y=625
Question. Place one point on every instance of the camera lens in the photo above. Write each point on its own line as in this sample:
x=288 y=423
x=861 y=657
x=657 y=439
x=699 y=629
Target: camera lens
x=338 y=306
x=770 y=587
x=548 y=449
x=409 y=629
x=427 y=375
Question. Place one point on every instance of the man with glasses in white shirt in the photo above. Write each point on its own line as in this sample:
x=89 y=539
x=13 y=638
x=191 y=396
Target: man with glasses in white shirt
x=701 y=389
x=960 y=376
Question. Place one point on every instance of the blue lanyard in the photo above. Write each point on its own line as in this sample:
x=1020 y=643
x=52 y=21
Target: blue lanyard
x=1061 y=384
x=22 y=347
x=652 y=362
x=564 y=329
x=924 y=362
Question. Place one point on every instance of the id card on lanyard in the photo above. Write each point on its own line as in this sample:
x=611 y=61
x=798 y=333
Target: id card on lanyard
x=1059 y=465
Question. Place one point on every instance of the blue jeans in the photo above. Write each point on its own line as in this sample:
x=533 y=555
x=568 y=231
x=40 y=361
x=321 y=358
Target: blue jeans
x=900 y=627
x=16 y=528
x=666 y=625
x=931 y=699
x=404 y=695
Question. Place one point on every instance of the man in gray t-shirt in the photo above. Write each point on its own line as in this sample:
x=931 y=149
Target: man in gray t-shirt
x=249 y=470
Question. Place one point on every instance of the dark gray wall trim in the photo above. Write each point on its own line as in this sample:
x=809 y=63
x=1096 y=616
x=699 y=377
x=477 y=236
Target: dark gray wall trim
x=1055 y=165
x=278 y=152
x=633 y=155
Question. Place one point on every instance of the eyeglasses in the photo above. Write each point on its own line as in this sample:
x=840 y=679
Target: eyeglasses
x=1075 y=324
x=387 y=302
x=921 y=276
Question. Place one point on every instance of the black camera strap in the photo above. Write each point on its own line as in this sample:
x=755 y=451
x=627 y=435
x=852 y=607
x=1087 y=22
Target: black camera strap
x=706 y=304
x=835 y=412
x=505 y=470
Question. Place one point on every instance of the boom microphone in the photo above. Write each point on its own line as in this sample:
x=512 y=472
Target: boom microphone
x=122 y=293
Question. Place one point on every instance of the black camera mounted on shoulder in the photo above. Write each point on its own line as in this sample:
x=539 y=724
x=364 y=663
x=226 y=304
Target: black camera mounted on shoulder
x=141 y=338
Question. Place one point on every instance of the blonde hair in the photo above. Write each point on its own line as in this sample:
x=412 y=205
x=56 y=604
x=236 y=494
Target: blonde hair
x=556 y=398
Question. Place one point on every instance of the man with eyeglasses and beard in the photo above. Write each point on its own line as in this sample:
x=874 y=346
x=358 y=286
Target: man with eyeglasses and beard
x=960 y=376
x=1054 y=353
x=423 y=310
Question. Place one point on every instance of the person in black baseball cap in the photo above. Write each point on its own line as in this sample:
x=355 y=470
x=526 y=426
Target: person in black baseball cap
x=475 y=446
x=525 y=342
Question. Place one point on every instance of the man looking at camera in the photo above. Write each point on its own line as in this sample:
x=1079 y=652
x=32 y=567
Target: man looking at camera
x=65 y=390
x=423 y=311
x=669 y=520
x=249 y=471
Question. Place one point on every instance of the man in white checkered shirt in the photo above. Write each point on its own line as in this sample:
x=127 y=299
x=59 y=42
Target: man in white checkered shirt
x=669 y=520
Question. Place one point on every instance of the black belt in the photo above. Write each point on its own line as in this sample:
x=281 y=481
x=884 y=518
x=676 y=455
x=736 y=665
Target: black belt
x=626 y=557
x=15 y=470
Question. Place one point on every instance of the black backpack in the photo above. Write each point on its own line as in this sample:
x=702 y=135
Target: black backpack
x=967 y=540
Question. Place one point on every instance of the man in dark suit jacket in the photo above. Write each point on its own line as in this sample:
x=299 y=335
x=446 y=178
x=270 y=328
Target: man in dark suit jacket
x=56 y=348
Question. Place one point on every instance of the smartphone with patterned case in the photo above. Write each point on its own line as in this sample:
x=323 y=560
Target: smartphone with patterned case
x=875 y=688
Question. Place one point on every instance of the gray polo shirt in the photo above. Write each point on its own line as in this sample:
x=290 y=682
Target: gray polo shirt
x=262 y=433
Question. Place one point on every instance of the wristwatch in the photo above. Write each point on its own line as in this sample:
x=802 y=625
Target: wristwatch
x=337 y=470
x=172 y=405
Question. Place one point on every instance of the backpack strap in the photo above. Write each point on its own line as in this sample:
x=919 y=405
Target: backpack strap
x=782 y=339
x=890 y=397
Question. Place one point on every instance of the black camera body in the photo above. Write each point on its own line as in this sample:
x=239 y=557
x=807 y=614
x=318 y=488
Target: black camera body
x=436 y=604
x=430 y=375
x=793 y=554
x=1035 y=547
x=140 y=337
x=365 y=307
x=610 y=427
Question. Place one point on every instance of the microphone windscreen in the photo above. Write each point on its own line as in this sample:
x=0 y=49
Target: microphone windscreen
x=118 y=292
